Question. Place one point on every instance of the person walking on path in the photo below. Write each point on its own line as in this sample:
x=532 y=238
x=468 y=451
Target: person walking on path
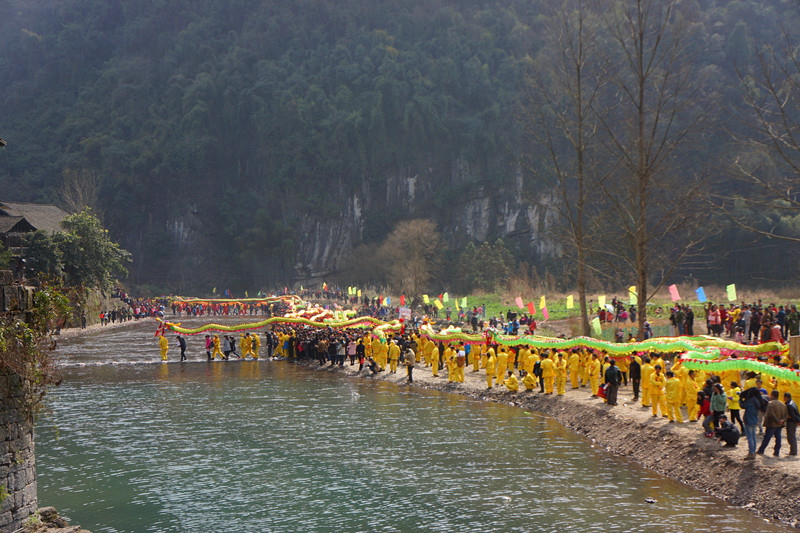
x=612 y=377
x=774 y=420
x=791 y=422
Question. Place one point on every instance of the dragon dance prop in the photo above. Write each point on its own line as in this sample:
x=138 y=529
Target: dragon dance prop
x=699 y=352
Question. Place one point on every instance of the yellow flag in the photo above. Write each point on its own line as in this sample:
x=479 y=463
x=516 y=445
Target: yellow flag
x=438 y=304
x=445 y=298
x=456 y=302
x=245 y=294
x=601 y=300
x=542 y=303
x=570 y=302
x=632 y=295
x=426 y=299
x=359 y=293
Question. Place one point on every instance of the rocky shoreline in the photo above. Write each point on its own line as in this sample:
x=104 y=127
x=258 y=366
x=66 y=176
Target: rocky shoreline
x=50 y=522
x=768 y=486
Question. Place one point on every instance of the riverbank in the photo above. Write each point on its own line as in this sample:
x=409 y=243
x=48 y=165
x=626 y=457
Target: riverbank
x=768 y=486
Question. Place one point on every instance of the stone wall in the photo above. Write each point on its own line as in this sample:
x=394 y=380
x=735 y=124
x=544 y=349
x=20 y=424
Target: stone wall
x=18 y=497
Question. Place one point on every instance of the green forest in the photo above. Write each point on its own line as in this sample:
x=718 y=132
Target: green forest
x=211 y=137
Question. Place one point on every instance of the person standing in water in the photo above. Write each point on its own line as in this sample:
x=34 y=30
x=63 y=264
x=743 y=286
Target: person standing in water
x=182 y=344
x=164 y=345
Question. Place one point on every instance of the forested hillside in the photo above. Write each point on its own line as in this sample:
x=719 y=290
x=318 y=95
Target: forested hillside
x=252 y=143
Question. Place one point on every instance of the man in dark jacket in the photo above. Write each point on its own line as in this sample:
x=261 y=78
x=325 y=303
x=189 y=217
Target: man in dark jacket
x=774 y=419
x=613 y=377
x=791 y=422
x=635 y=372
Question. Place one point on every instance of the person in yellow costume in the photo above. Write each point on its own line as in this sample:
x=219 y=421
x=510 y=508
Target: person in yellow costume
x=548 y=373
x=529 y=380
x=450 y=361
x=524 y=359
x=512 y=358
x=502 y=364
x=460 y=363
x=594 y=374
x=657 y=382
x=674 y=397
x=484 y=354
x=256 y=345
x=733 y=392
x=418 y=350
x=394 y=355
x=659 y=361
x=573 y=364
x=491 y=364
x=246 y=343
x=216 y=351
x=647 y=371
x=690 y=390
x=561 y=375
x=623 y=363
x=511 y=382
x=427 y=348
x=475 y=357
x=586 y=363
x=164 y=345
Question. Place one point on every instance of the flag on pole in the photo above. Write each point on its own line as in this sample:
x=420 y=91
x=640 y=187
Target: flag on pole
x=324 y=286
x=388 y=301
x=464 y=302
x=446 y=298
x=601 y=300
x=596 y=328
x=426 y=299
x=673 y=292
x=246 y=295
x=731 y=290
x=519 y=302
x=632 y=296
x=542 y=303
x=438 y=304
x=701 y=294
x=545 y=313
x=403 y=299
x=359 y=293
x=570 y=302
x=455 y=301
x=214 y=290
x=531 y=308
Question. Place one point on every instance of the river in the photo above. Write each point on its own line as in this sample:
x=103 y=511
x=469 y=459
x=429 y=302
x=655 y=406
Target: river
x=129 y=444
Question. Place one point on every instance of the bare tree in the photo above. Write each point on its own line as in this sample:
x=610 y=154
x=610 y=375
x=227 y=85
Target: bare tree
x=79 y=189
x=413 y=250
x=770 y=165
x=648 y=115
x=565 y=85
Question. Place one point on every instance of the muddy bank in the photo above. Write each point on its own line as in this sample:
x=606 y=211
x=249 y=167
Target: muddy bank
x=768 y=486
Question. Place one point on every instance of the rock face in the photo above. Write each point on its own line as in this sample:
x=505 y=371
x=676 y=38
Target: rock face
x=476 y=213
x=18 y=498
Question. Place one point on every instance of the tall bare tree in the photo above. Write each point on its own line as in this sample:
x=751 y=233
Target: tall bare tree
x=648 y=114
x=564 y=87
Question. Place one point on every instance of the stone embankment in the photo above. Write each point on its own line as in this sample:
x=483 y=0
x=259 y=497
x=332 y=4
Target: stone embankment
x=49 y=522
x=768 y=486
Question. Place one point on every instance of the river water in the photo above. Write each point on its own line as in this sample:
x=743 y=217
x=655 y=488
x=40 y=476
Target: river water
x=130 y=444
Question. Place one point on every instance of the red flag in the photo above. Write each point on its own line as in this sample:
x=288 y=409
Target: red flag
x=441 y=295
x=402 y=299
x=531 y=309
